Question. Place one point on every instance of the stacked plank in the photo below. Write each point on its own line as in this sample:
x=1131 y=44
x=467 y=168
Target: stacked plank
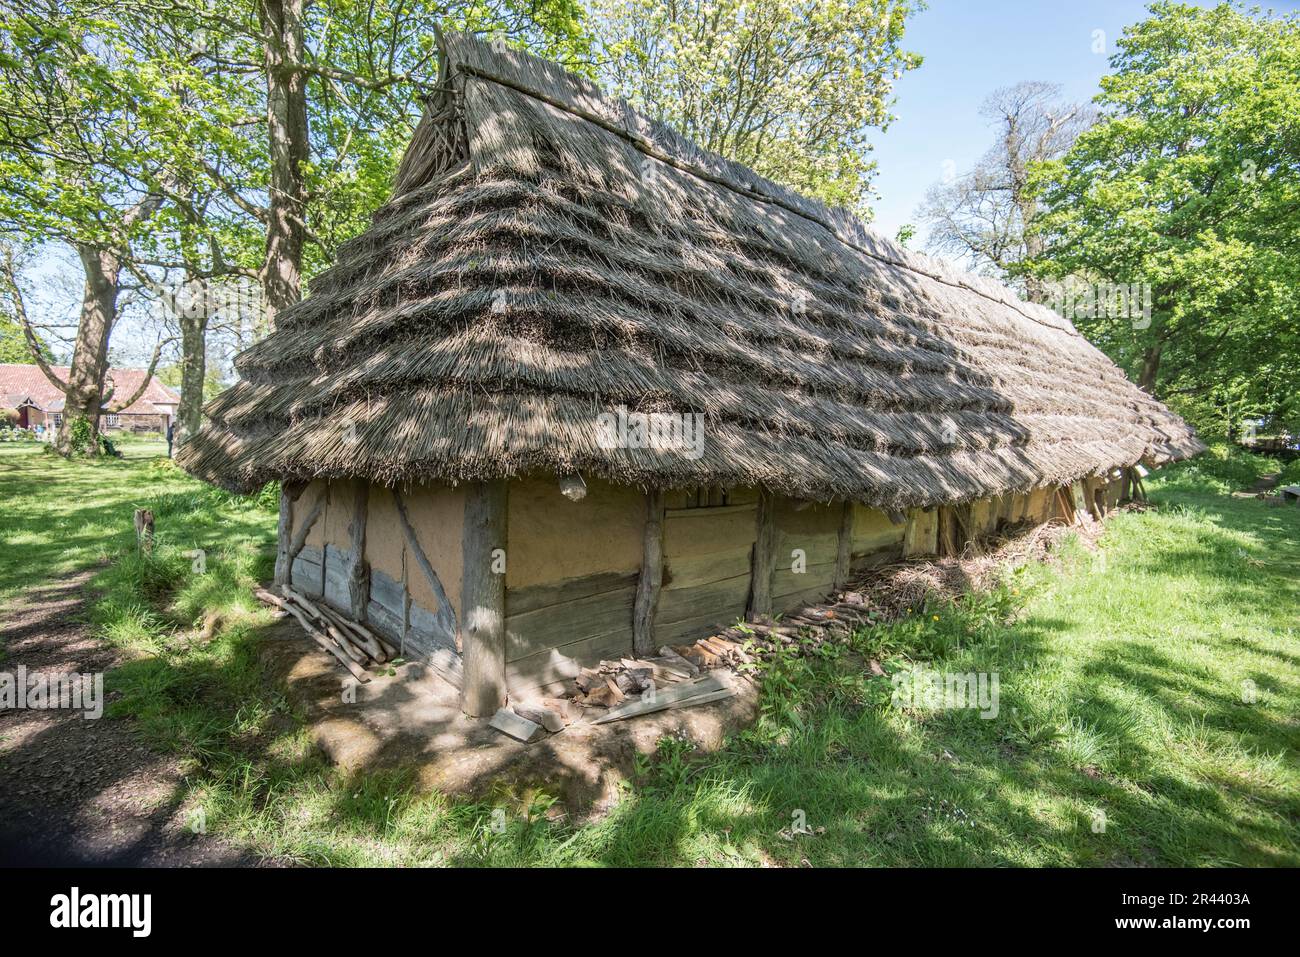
x=354 y=645
x=612 y=682
x=808 y=627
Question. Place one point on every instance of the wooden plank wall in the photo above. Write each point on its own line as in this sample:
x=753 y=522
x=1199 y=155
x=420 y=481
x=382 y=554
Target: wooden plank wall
x=807 y=542
x=706 y=565
x=571 y=582
x=552 y=630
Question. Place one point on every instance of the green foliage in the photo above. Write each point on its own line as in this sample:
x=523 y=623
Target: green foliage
x=81 y=437
x=1290 y=474
x=13 y=347
x=1225 y=468
x=791 y=88
x=1189 y=183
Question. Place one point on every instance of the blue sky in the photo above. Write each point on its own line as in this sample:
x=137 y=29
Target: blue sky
x=972 y=47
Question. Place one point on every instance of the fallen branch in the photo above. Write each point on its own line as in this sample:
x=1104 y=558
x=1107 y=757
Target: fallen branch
x=342 y=640
x=329 y=646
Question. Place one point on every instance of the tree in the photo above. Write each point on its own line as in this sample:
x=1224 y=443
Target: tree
x=981 y=215
x=132 y=132
x=791 y=88
x=1190 y=184
x=341 y=86
x=14 y=346
x=74 y=167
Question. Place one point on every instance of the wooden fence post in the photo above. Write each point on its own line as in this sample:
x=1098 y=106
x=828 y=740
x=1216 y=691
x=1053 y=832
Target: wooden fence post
x=483 y=594
x=760 y=584
x=652 y=576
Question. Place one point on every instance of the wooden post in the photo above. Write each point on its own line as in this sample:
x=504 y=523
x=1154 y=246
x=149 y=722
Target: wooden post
x=289 y=492
x=948 y=540
x=1079 y=501
x=652 y=576
x=921 y=537
x=483 y=600
x=844 y=550
x=358 y=570
x=143 y=530
x=760 y=575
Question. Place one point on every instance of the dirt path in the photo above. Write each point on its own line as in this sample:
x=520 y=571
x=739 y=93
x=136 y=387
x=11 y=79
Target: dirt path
x=76 y=790
x=1266 y=482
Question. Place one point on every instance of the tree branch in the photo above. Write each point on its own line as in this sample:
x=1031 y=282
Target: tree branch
x=9 y=275
x=144 y=382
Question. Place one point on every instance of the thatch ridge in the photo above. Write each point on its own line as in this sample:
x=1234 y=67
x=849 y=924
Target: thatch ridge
x=550 y=255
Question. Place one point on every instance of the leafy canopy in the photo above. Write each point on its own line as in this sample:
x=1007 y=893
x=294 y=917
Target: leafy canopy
x=1190 y=182
x=791 y=88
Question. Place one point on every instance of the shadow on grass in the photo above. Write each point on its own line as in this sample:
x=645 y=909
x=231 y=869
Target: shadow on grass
x=1136 y=755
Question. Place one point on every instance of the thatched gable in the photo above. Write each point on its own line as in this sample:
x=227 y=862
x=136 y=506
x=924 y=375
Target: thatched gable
x=550 y=255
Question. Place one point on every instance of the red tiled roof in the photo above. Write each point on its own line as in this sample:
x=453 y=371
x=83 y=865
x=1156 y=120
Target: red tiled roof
x=28 y=380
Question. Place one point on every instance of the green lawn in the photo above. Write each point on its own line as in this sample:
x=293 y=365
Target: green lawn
x=61 y=516
x=1149 y=707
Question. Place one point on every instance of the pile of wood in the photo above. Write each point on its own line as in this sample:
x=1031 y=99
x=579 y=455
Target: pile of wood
x=353 y=644
x=807 y=627
x=527 y=721
x=612 y=682
x=737 y=650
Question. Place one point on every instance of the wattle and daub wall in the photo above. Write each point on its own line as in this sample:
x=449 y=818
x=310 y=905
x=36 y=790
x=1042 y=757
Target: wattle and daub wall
x=572 y=568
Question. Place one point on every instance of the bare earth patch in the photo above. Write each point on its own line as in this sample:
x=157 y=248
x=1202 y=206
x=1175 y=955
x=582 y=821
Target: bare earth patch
x=413 y=719
x=83 y=791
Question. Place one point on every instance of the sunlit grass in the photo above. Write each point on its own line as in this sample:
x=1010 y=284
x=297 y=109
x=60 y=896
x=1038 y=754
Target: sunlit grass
x=1149 y=695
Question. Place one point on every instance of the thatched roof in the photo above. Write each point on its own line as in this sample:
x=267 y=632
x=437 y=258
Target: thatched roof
x=550 y=255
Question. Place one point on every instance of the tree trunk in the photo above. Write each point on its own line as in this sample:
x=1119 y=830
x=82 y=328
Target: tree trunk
x=85 y=391
x=286 y=113
x=1150 y=367
x=189 y=415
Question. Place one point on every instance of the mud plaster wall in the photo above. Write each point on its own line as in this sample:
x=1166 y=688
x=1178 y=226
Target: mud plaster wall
x=551 y=538
x=437 y=514
x=334 y=523
x=384 y=543
x=873 y=531
x=571 y=577
x=318 y=490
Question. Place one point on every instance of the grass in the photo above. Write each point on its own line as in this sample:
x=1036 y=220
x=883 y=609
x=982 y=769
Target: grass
x=1147 y=710
x=61 y=516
